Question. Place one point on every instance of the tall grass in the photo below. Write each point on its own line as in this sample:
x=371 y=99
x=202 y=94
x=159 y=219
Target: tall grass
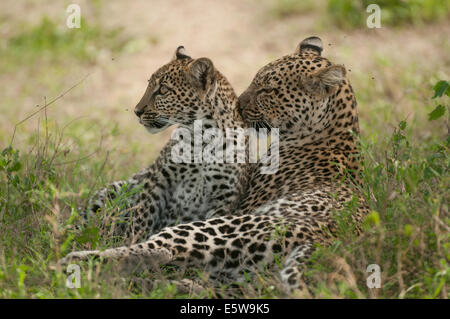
x=406 y=234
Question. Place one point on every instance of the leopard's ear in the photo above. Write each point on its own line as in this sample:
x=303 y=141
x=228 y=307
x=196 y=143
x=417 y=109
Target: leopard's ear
x=201 y=73
x=313 y=44
x=325 y=81
x=180 y=53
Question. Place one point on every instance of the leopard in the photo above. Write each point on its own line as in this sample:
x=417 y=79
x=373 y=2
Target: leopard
x=194 y=95
x=281 y=217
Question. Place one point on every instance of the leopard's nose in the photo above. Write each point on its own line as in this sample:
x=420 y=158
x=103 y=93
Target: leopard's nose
x=239 y=107
x=139 y=111
x=243 y=101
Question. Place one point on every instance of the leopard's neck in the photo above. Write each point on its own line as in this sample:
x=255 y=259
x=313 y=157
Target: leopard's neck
x=338 y=129
x=224 y=106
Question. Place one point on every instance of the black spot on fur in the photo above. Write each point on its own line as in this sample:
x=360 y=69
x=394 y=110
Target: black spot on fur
x=200 y=237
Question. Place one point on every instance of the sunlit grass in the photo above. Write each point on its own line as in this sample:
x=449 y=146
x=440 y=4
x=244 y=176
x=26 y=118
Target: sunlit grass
x=51 y=43
x=350 y=14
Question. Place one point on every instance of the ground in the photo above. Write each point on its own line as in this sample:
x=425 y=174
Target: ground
x=392 y=69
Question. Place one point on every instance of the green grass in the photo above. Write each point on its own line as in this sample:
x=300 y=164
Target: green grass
x=407 y=232
x=288 y=8
x=350 y=14
x=406 y=183
x=50 y=43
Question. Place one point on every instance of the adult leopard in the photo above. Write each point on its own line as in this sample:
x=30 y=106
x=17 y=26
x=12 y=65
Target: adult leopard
x=177 y=189
x=282 y=216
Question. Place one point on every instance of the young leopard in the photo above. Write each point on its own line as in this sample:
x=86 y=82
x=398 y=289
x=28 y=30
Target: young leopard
x=170 y=191
x=282 y=216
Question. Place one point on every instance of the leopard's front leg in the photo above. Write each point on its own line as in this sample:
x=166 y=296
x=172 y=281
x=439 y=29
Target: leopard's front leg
x=122 y=194
x=225 y=246
x=98 y=201
x=133 y=258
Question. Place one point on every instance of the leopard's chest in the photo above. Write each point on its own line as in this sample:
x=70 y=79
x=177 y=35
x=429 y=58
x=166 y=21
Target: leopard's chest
x=203 y=188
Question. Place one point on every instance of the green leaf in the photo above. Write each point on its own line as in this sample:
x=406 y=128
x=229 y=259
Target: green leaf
x=436 y=113
x=402 y=125
x=439 y=287
x=373 y=219
x=408 y=229
x=7 y=150
x=440 y=88
x=3 y=163
x=15 y=167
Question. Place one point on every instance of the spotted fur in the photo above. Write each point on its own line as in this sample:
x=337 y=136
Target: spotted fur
x=281 y=216
x=168 y=192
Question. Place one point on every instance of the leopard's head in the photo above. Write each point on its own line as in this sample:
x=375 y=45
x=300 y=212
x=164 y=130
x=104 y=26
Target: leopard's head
x=300 y=93
x=177 y=92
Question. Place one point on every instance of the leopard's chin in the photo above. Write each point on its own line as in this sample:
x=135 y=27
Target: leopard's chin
x=252 y=119
x=154 y=130
x=155 y=126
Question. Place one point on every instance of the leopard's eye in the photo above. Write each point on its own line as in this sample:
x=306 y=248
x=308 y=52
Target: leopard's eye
x=163 y=89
